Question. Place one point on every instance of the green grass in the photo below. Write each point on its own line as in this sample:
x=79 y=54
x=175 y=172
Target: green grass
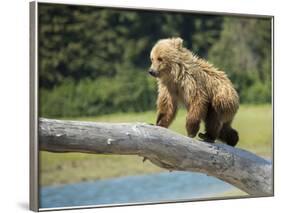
x=254 y=124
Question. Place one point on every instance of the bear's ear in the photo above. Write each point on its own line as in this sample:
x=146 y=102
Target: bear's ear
x=178 y=42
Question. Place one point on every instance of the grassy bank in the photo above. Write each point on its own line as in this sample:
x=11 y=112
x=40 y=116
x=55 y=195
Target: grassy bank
x=254 y=124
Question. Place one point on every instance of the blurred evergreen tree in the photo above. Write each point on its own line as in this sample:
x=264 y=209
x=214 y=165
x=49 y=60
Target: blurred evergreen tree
x=244 y=52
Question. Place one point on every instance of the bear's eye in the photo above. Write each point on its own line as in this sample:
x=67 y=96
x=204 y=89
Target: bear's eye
x=160 y=59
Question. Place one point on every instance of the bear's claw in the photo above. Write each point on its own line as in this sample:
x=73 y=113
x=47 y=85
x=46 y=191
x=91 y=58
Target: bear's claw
x=205 y=137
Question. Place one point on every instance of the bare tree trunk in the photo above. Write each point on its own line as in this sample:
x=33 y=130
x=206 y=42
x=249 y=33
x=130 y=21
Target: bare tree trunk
x=162 y=147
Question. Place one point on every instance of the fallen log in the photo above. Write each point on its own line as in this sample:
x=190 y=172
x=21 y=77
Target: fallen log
x=163 y=148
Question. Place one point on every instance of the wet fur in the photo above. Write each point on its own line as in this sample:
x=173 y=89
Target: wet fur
x=206 y=92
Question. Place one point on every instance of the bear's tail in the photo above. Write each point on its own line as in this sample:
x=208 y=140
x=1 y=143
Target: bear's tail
x=229 y=135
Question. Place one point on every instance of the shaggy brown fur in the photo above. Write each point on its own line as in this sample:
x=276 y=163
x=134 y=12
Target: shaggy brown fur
x=206 y=92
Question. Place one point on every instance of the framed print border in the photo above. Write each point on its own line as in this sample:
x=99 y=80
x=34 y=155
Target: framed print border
x=34 y=143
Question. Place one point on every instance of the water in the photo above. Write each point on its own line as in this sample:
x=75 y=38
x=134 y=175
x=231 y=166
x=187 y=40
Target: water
x=134 y=189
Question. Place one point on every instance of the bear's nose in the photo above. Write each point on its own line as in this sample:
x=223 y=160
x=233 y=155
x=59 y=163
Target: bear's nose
x=152 y=72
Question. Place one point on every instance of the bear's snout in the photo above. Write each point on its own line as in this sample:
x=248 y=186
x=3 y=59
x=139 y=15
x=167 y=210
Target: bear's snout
x=152 y=72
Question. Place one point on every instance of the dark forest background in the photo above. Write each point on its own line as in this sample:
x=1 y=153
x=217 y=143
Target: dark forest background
x=94 y=61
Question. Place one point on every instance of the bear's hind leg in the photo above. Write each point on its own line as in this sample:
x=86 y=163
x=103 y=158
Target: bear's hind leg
x=213 y=126
x=229 y=135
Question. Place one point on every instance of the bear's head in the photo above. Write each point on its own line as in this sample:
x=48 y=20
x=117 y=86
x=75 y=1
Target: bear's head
x=163 y=55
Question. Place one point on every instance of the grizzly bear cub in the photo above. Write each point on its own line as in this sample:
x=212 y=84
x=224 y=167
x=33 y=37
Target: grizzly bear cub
x=205 y=91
